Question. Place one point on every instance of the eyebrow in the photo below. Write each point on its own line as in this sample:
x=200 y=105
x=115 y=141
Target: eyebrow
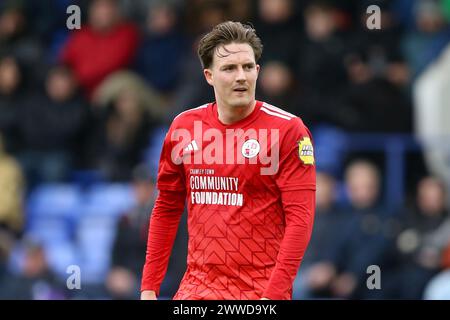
x=235 y=64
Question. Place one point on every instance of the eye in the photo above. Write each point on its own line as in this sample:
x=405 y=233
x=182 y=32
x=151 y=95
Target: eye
x=249 y=67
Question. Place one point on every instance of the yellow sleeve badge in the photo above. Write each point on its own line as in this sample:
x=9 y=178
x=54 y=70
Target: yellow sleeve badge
x=306 y=151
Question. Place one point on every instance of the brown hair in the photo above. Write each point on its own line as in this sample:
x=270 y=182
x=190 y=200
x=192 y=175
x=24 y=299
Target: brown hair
x=226 y=33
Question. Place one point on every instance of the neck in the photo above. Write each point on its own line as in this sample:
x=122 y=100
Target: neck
x=229 y=115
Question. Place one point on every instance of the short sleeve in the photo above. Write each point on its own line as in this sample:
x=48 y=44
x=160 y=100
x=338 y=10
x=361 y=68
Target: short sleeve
x=170 y=174
x=297 y=169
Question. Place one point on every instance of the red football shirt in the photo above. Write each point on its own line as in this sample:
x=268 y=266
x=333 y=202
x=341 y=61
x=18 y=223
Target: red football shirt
x=249 y=189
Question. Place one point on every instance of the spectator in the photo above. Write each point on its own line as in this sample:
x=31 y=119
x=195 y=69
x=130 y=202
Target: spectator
x=163 y=41
x=192 y=90
x=121 y=135
x=35 y=280
x=375 y=48
x=150 y=100
x=11 y=91
x=424 y=41
x=277 y=84
x=319 y=266
x=420 y=259
x=366 y=239
x=137 y=10
x=440 y=239
x=106 y=44
x=49 y=148
x=128 y=254
x=320 y=67
x=241 y=10
x=320 y=60
x=278 y=26
x=11 y=193
x=6 y=244
x=368 y=104
x=202 y=15
x=378 y=78
x=438 y=288
x=17 y=39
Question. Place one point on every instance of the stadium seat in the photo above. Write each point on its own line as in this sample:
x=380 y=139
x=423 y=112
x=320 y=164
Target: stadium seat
x=52 y=210
x=109 y=198
x=104 y=204
x=95 y=236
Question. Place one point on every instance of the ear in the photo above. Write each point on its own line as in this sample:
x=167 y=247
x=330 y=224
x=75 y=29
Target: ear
x=208 y=76
x=257 y=70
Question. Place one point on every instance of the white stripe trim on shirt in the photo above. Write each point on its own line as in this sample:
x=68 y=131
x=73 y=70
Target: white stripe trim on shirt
x=201 y=107
x=275 y=109
x=275 y=114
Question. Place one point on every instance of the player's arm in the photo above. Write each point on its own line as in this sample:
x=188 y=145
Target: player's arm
x=164 y=221
x=163 y=228
x=299 y=215
x=296 y=181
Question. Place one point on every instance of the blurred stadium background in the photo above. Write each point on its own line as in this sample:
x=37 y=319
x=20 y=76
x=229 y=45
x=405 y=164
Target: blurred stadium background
x=83 y=115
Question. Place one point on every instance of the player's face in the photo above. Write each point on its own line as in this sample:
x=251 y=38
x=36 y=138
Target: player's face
x=233 y=75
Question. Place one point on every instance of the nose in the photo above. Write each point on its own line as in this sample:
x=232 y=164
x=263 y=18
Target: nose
x=240 y=77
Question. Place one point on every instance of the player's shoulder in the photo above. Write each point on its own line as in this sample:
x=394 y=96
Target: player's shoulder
x=277 y=114
x=281 y=118
x=189 y=115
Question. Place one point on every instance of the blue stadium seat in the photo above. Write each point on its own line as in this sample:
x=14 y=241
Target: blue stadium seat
x=103 y=206
x=51 y=218
x=78 y=226
x=61 y=255
x=110 y=198
x=52 y=210
x=54 y=199
x=95 y=237
x=329 y=143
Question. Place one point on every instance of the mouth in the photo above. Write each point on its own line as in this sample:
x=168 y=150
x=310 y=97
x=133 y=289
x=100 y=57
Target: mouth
x=240 y=89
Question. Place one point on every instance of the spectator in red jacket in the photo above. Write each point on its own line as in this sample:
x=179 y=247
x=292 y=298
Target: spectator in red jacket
x=106 y=44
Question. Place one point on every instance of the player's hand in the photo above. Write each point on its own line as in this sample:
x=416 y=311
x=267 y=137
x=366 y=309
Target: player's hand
x=264 y=298
x=148 y=295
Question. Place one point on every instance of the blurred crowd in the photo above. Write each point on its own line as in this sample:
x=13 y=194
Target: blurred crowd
x=83 y=114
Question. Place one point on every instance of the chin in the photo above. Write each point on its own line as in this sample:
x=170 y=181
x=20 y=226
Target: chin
x=240 y=102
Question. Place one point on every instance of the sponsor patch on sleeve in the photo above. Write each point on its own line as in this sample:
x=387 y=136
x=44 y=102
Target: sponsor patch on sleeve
x=306 y=151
